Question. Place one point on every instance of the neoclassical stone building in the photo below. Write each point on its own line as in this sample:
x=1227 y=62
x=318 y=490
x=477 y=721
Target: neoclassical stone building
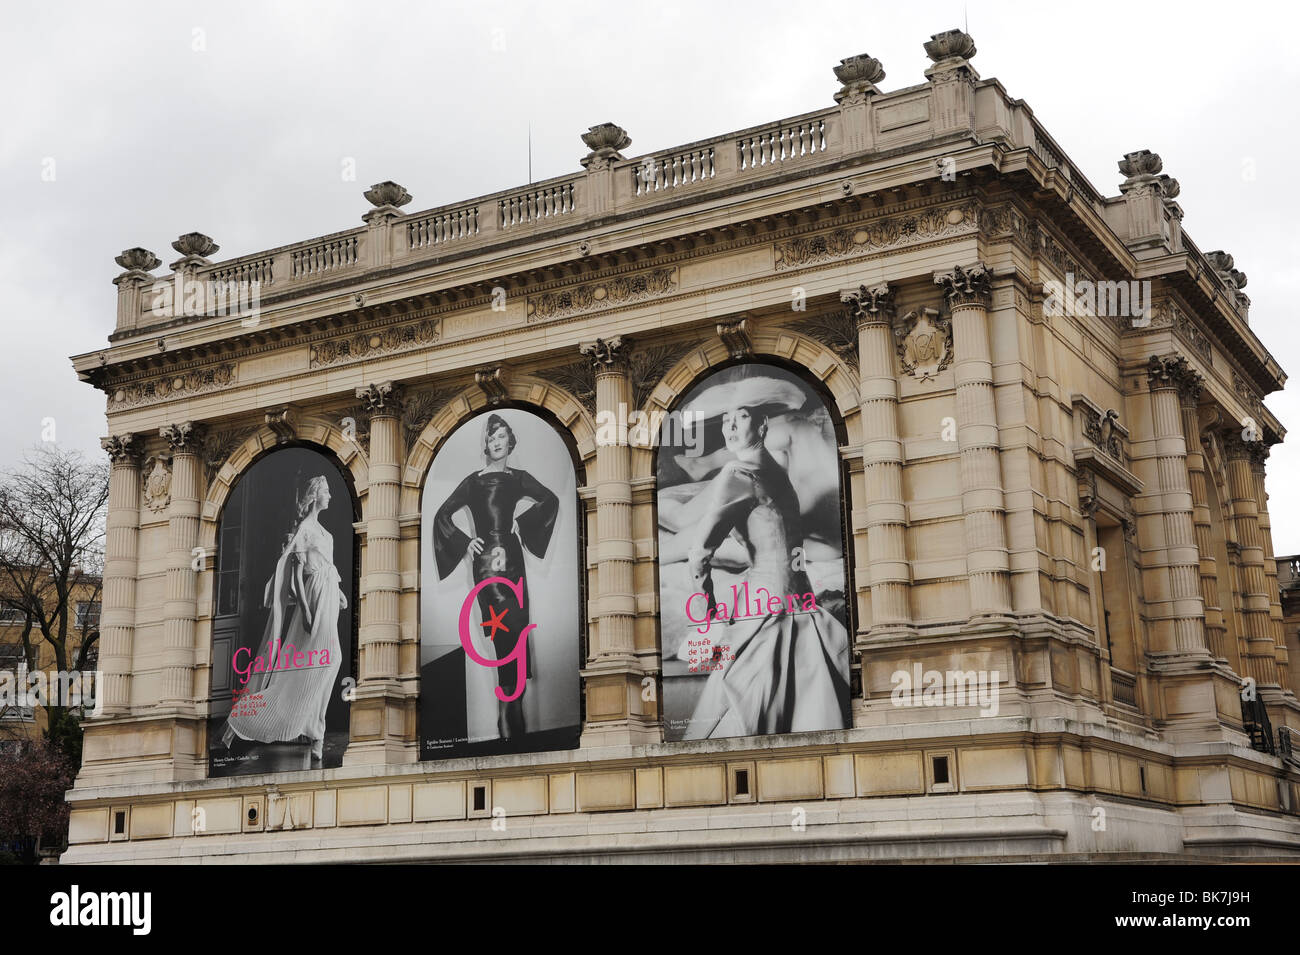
x=1047 y=409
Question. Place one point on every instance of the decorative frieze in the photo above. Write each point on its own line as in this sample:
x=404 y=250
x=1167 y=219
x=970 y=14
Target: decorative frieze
x=372 y=344
x=877 y=236
x=184 y=384
x=594 y=296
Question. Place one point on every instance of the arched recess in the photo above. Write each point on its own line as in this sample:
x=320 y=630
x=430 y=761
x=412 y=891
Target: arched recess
x=529 y=520
x=308 y=430
x=729 y=691
x=800 y=353
x=281 y=623
x=566 y=412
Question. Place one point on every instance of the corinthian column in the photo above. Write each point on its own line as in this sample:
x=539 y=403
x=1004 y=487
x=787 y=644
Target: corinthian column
x=380 y=632
x=1258 y=459
x=121 y=545
x=617 y=710
x=1178 y=612
x=969 y=293
x=180 y=607
x=1216 y=630
x=1260 y=660
x=882 y=461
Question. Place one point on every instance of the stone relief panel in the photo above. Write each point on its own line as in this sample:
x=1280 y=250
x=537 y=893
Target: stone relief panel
x=372 y=344
x=877 y=236
x=608 y=293
x=924 y=343
x=196 y=381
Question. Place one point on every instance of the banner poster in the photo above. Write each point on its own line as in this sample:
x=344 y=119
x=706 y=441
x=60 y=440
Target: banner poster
x=282 y=628
x=499 y=594
x=752 y=577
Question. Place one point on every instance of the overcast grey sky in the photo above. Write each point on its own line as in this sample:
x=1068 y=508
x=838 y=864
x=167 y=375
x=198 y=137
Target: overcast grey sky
x=234 y=119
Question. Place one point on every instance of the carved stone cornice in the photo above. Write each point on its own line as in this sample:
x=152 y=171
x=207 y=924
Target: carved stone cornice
x=281 y=421
x=1168 y=371
x=372 y=344
x=735 y=335
x=966 y=285
x=595 y=296
x=381 y=399
x=195 y=381
x=878 y=235
x=183 y=438
x=122 y=449
x=494 y=382
x=607 y=355
x=870 y=306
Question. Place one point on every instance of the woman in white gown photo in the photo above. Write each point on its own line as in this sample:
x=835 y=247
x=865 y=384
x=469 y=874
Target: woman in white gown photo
x=285 y=700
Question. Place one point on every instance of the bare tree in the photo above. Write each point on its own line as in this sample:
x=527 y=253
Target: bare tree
x=52 y=513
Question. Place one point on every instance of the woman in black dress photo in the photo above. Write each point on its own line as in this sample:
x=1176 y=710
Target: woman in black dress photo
x=492 y=496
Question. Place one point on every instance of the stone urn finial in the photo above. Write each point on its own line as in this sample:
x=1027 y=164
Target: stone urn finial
x=138 y=260
x=605 y=140
x=859 y=76
x=1223 y=263
x=950 y=45
x=195 y=244
x=1141 y=163
x=387 y=193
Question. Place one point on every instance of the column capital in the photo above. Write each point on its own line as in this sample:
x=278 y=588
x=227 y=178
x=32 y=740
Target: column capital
x=966 y=285
x=1168 y=371
x=183 y=438
x=1189 y=388
x=1236 y=447
x=122 y=449
x=872 y=305
x=608 y=355
x=381 y=398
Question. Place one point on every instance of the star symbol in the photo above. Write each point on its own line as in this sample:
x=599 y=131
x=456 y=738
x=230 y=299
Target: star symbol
x=496 y=622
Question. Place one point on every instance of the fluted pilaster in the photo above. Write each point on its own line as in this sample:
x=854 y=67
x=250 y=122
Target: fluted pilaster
x=882 y=459
x=615 y=551
x=180 y=606
x=1216 y=628
x=1258 y=459
x=1177 y=607
x=969 y=293
x=1260 y=650
x=121 y=546
x=380 y=632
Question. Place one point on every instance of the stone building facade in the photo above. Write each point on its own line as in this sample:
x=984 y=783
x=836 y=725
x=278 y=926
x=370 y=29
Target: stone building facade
x=1048 y=409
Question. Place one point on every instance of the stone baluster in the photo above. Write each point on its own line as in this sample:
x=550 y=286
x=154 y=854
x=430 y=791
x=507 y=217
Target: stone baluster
x=121 y=546
x=180 y=607
x=969 y=293
x=882 y=460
